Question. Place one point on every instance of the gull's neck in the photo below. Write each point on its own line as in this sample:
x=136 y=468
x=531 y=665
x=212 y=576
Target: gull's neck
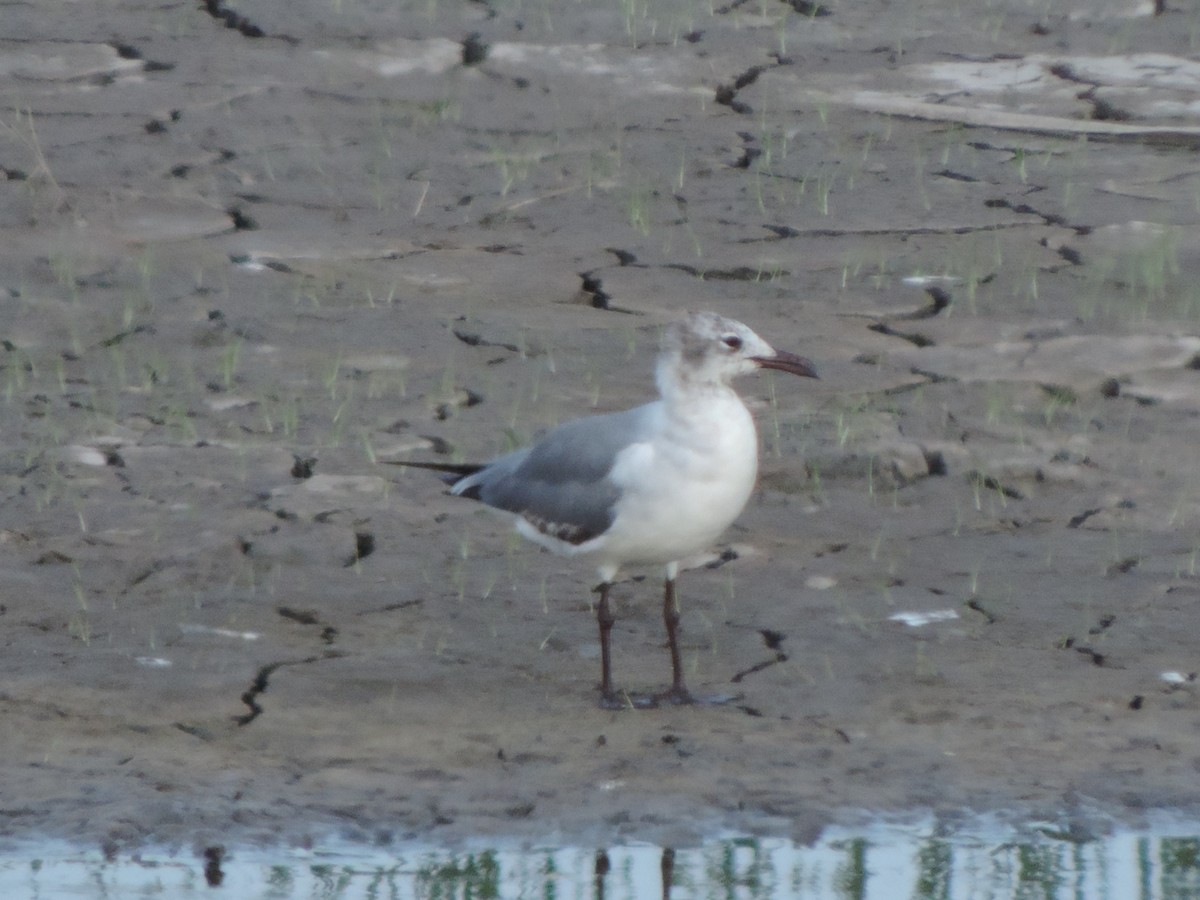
x=683 y=387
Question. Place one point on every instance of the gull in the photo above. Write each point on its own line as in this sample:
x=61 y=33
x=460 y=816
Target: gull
x=652 y=485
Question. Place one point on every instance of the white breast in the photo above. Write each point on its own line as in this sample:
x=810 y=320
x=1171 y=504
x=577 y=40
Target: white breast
x=685 y=485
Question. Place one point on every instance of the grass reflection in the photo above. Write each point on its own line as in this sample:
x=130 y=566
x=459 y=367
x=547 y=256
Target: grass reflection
x=919 y=862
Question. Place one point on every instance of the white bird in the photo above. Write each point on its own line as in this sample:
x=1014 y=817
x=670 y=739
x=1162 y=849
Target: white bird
x=649 y=486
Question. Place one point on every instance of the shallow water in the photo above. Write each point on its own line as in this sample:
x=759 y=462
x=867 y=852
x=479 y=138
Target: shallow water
x=881 y=861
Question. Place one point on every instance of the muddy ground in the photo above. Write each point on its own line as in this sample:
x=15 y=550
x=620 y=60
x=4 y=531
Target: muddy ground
x=252 y=252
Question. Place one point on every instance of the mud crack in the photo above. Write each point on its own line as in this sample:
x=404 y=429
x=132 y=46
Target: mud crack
x=308 y=617
x=728 y=555
x=593 y=287
x=474 y=50
x=785 y=232
x=803 y=7
x=749 y=152
x=914 y=337
x=1095 y=657
x=727 y=94
x=592 y=290
x=774 y=641
x=939 y=300
x=474 y=339
x=1024 y=209
x=234 y=20
x=808 y=9
x=261 y=682
x=303 y=466
x=1123 y=566
x=1102 y=110
x=956 y=176
x=736 y=273
x=975 y=606
x=364 y=546
x=989 y=482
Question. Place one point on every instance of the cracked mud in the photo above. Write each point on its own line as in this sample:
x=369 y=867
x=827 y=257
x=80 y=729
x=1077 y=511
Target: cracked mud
x=251 y=255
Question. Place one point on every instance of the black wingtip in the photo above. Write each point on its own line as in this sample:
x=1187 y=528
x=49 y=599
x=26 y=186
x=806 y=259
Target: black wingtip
x=449 y=473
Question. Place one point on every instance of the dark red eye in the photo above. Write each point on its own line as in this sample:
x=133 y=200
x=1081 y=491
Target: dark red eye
x=732 y=341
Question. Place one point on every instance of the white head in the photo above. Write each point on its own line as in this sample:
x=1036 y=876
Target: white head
x=705 y=349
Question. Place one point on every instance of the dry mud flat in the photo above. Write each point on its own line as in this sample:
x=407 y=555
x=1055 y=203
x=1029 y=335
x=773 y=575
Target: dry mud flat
x=248 y=253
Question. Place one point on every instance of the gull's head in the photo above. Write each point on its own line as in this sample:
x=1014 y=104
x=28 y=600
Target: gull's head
x=705 y=348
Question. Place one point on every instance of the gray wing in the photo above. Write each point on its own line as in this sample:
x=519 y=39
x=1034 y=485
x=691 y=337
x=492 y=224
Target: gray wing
x=560 y=485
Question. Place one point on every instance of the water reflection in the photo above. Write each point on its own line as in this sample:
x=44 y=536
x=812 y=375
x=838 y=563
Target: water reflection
x=880 y=862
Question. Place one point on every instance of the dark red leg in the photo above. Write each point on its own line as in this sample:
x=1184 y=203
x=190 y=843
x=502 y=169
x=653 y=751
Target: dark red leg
x=679 y=692
x=605 y=619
